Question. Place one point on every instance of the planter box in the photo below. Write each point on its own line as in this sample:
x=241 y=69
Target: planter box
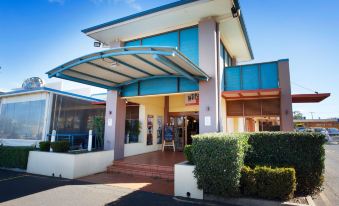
x=69 y=165
x=185 y=182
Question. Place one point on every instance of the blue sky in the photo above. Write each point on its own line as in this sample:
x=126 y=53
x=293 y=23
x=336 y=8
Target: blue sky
x=39 y=35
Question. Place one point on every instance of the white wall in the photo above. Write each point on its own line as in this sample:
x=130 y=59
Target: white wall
x=69 y=165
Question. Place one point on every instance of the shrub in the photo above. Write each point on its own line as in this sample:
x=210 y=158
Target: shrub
x=302 y=151
x=188 y=154
x=219 y=158
x=265 y=182
x=44 y=146
x=60 y=146
x=14 y=157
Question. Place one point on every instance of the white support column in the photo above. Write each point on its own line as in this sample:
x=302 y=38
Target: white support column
x=208 y=91
x=90 y=136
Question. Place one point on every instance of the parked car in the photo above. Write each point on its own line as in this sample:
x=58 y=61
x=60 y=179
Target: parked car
x=322 y=131
x=333 y=131
x=300 y=129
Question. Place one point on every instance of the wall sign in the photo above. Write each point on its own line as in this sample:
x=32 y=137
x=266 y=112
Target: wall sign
x=207 y=120
x=192 y=99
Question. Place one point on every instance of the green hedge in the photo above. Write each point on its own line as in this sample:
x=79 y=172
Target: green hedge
x=188 y=154
x=14 y=157
x=60 y=146
x=302 y=151
x=269 y=183
x=218 y=159
x=44 y=146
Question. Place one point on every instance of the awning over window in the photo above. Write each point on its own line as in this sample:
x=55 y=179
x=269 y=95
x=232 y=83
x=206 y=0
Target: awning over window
x=114 y=68
x=251 y=94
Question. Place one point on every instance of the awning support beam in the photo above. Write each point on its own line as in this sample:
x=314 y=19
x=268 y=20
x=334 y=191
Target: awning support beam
x=173 y=66
x=63 y=76
x=95 y=77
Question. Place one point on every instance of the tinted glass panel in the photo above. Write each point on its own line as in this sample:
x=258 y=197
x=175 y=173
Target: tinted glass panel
x=22 y=120
x=189 y=44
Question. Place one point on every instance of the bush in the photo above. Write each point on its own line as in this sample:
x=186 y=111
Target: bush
x=219 y=158
x=60 y=146
x=265 y=182
x=302 y=151
x=188 y=154
x=14 y=157
x=44 y=146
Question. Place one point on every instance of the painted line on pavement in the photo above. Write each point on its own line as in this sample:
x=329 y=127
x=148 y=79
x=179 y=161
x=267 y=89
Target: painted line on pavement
x=12 y=178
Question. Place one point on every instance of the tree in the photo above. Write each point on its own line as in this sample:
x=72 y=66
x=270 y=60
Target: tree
x=298 y=115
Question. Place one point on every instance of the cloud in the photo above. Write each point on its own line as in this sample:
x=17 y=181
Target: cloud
x=131 y=3
x=61 y=2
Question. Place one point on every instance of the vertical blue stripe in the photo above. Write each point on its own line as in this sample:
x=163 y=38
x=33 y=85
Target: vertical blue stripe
x=133 y=43
x=189 y=44
x=168 y=39
x=232 y=78
x=269 y=75
x=250 y=77
x=187 y=85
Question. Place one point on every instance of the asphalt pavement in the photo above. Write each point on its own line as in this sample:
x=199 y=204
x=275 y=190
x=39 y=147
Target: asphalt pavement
x=18 y=188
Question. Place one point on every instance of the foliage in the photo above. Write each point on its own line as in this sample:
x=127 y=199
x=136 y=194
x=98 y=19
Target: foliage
x=44 y=146
x=219 y=158
x=98 y=127
x=302 y=151
x=132 y=130
x=60 y=146
x=14 y=157
x=298 y=115
x=269 y=183
x=188 y=154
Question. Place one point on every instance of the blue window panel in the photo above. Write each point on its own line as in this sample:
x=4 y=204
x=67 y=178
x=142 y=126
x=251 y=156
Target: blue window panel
x=250 y=77
x=133 y=43
x=187 y=85
x=130 y=90
x=232 y=79
x=189 y=44
x=168 y=39
x=158 y=86
x=269 y=76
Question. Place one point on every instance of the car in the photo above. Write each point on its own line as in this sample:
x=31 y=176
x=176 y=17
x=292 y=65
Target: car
x=322 y=131
x=333 y=131
x=300 y=129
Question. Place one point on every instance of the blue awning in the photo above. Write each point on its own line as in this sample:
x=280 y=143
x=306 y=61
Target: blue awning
x=114 y=68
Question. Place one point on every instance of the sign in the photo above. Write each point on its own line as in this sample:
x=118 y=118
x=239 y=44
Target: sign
x=109 y=122
x=207 y=120
x=192 y=99
x=149 y=129
x=169 y=131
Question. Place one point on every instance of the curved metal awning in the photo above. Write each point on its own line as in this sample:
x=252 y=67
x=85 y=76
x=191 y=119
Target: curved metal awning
x=114 y=68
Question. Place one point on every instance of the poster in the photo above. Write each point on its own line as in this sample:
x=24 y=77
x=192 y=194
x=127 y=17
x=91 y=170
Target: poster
x=159 y=130
x=149 y=129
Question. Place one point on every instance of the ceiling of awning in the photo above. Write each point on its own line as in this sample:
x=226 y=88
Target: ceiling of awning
x=114 y=68
x=251 y=94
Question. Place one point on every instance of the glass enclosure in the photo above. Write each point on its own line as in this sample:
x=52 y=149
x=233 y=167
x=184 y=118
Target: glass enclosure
x=132 y=125
x=22 y=120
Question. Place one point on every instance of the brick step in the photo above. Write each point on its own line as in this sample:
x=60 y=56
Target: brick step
x=164 y=172
x=144 y=167
x=167 y=176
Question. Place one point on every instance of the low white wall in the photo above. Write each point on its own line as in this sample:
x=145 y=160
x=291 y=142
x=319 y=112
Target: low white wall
x=140 y=148
x=18 y=142
x=69 y=165
x=184 y=181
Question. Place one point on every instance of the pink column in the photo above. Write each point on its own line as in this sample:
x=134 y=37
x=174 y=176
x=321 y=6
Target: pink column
x=115 y=124
x=286 y=114
x=208 y=91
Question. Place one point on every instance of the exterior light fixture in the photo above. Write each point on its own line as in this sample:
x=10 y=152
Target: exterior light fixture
x=97 y=44
x=114 y=64
x=235 y=11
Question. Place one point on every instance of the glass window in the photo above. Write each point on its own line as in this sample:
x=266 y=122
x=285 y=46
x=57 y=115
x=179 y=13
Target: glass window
x=72 y=115
x=132 y=124
x=22 y=120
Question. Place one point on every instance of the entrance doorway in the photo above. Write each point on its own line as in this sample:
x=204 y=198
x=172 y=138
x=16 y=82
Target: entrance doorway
x=185 y=126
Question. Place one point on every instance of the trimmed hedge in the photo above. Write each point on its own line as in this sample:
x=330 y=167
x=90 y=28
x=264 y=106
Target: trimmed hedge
x=60 y=146
x=302 y=151
x=218 y=159
x=269 y=183
x=188 y=154
x=44 y=146
x=14 y=157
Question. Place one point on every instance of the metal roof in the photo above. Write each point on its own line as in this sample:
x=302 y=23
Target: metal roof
x=114 y=68
x=46 y=89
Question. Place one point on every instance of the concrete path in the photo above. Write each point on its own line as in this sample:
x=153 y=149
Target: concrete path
x=33 y=190
x=330 y=195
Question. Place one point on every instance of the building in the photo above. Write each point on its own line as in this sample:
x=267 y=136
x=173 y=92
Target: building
x=181 y=65
x=324 y=123
x=28 y=116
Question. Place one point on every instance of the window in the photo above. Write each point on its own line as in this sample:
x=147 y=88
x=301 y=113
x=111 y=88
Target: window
x=22 y=120
x=72 y=115
x=132 y=124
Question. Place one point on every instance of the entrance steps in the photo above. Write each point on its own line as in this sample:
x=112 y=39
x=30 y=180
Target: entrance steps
x=147 y=170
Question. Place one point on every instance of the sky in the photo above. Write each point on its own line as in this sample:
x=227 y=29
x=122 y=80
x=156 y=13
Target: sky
x=39 y=35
